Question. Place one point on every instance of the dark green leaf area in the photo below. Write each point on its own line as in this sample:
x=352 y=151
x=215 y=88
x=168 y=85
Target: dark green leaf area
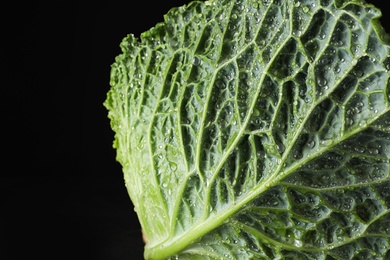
x=306 y=224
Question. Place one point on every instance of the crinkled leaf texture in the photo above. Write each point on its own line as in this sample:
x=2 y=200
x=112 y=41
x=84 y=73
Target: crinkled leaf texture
x=257 y=129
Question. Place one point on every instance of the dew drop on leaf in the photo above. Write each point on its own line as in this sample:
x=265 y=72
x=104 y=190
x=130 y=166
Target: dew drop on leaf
x=311 y=144
x=173 y=166
x=298 y=243
x=322 y=82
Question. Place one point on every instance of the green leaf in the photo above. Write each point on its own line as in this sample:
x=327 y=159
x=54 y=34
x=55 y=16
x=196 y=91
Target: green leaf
x=257 y=129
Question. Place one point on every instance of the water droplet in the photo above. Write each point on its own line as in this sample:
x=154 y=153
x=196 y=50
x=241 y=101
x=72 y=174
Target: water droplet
x=280 y=148
x=322 y=82
x=196 y=61
x=373 y=151
x=173 y=166
x=298 y=243
x=297 y=155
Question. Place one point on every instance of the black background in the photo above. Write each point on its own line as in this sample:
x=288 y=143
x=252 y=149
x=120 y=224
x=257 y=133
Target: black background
x=62 y=194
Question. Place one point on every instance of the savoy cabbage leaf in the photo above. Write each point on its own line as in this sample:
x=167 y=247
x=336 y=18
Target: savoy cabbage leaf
x=257 y=129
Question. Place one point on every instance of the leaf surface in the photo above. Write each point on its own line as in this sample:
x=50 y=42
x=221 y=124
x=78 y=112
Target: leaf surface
x=257 y=129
